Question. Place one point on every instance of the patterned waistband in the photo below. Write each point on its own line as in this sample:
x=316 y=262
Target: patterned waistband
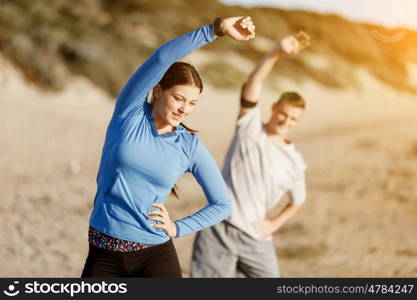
x=104 y=241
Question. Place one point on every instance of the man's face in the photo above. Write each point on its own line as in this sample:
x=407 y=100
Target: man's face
x=285 y=117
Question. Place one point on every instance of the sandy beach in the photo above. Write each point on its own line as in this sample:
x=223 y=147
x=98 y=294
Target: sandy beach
x=360 y=146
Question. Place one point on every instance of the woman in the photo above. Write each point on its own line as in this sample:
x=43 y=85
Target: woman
x=146 y=149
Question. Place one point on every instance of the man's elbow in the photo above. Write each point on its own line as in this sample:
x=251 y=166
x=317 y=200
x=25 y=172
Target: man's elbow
x=294 y=207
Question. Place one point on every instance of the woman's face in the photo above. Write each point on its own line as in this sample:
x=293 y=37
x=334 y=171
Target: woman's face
x=174 y=104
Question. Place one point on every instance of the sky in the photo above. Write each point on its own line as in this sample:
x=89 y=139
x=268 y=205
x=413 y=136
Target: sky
x=390 y=13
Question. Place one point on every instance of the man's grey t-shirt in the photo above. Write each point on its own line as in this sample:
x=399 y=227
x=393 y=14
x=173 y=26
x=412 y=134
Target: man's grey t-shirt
x=259 y=171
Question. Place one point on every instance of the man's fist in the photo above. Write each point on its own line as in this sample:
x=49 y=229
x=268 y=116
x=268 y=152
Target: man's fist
x=293 y=44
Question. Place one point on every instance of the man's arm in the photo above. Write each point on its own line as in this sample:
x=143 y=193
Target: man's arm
x=266 y=227
x=252 y=88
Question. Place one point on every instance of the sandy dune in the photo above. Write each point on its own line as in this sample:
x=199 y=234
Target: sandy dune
x=360 y=146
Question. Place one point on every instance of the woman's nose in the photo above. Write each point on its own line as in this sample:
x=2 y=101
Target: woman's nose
x=183 y=108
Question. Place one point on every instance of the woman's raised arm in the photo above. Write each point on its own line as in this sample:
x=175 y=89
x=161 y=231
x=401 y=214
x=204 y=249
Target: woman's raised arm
x=133 y=95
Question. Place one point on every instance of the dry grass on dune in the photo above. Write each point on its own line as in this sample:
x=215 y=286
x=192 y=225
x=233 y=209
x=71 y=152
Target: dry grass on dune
x=105 y=40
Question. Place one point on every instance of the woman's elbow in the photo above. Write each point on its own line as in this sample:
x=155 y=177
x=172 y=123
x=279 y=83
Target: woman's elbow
x=228 y=209
x=161 y=56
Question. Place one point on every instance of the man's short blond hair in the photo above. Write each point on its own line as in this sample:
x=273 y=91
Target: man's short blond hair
x=293 y=98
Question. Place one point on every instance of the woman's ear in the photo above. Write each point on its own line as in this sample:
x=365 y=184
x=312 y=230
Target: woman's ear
x=157 y=91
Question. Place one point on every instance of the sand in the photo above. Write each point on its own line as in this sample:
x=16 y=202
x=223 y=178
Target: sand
x=360 y=146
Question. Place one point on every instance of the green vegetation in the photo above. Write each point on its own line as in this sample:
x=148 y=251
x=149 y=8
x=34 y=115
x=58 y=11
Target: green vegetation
x=106 y=40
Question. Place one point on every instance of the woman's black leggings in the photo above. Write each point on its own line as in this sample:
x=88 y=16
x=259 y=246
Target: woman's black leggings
x=157 y=261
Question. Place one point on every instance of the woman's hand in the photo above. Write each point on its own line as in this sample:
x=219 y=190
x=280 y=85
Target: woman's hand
x=163 y=217
x=293 y=44
x=238 y=28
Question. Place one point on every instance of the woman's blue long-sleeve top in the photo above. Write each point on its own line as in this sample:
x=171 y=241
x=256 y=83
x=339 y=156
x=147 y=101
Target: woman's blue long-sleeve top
x=139 y=167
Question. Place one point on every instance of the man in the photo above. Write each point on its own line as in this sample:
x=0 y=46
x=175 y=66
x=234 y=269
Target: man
x=260 y=167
